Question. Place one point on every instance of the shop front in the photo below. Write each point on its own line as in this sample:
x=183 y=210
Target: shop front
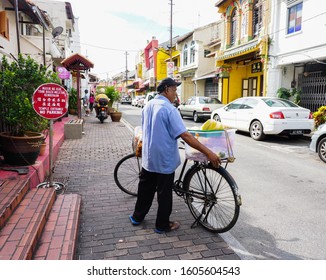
x=241 y=72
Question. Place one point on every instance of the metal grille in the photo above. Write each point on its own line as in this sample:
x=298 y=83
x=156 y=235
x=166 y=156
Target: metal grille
x=211 y=88
x=313 y=89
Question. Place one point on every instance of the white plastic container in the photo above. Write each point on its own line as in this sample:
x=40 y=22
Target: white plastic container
x=219 y=141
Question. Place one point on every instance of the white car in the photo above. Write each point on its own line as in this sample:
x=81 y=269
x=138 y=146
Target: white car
x=140 y=102
x=134 y=101
x=149 y=96
x=318 y=142
x=265 y=115
x=199 y=107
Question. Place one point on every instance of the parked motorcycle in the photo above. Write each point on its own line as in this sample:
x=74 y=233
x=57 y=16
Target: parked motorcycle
x=102 y=110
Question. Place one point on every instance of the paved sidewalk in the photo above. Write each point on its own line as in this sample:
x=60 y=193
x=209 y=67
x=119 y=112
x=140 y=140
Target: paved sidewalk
x=105 y=231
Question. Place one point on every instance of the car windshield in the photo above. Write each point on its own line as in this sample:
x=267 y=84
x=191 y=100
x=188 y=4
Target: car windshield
x=279 y=103
x=207 y=100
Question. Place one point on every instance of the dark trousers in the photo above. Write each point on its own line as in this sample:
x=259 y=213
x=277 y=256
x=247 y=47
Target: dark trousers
x=149 y=183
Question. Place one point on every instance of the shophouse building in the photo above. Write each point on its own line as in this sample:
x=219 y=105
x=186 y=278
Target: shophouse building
x=197 y=69
x=297 y=54
x=47 y=31
x=242 y=62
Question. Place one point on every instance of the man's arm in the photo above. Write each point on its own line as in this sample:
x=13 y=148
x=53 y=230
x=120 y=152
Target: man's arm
x=193 y=142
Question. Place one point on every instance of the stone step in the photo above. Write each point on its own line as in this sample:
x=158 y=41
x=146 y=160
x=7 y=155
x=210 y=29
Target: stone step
x=12 y=191
x=19 y=237
x=59 y=238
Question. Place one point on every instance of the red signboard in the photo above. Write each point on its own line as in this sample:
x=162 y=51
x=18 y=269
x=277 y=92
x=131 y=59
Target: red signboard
x=50 y=101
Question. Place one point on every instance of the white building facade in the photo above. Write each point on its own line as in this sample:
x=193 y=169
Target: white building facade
x=297 y=52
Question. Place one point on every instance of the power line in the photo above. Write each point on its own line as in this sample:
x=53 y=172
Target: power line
x=106 y=48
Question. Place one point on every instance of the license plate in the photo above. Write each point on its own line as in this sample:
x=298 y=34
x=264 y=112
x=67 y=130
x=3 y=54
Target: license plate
x=296 y=132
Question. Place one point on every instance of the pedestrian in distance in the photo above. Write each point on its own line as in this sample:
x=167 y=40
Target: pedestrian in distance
x=162 y=125
x=86 y=103
x=91 y=102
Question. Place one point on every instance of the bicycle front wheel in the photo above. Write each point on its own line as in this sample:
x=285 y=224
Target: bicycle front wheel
x=126 y=173
x=212 y=197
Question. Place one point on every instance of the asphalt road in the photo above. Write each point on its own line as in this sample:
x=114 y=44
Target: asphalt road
x=283 y=189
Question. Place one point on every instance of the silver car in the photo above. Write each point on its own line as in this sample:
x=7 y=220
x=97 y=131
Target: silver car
x=199 y=107
x=318 y=142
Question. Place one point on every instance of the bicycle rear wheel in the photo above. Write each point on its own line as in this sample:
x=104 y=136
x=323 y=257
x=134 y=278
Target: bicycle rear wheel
x=126 y=173
x=212 y=197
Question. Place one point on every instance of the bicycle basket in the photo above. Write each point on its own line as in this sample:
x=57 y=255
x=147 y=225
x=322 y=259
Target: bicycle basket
x=220 y=142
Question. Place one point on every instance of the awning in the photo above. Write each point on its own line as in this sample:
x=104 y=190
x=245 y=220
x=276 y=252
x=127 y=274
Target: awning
x=146 y=83
x=239 y=51
x=207 y=76
x=77 y=61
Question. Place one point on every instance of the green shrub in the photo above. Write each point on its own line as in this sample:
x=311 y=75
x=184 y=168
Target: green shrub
x=73 y=101
x=289 y=94
x=18 y=81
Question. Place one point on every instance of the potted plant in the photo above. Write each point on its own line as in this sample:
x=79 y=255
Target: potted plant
x=115 y=115
x=20 y=144
x=43 y=142
x=72 y=101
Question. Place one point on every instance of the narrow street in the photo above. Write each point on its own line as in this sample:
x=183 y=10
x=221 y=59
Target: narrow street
x=283 y=187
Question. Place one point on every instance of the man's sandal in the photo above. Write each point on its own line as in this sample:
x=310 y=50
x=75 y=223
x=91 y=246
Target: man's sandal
x=172 y=226
x=133 y=221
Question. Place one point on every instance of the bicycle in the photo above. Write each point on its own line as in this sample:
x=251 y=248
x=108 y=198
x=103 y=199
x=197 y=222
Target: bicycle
x=211 y=193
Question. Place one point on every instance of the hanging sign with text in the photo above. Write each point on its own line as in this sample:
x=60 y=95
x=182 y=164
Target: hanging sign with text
x=170 y=69
x=50 y=101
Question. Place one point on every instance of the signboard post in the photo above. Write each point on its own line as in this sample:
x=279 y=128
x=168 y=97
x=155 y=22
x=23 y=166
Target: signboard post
x=170 y=68
x=50 y=101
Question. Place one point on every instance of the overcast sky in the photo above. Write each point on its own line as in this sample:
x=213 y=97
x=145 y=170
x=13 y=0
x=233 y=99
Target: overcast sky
x=109 y=28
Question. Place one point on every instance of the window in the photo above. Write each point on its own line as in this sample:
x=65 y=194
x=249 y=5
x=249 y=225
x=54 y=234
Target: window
x=249 y=104
x=185 y=55
x=192 y=52
x=151 y=63
x=234 y=26
x=295 y=18
x=257 y=18
x=235 y=105
x=4 y=25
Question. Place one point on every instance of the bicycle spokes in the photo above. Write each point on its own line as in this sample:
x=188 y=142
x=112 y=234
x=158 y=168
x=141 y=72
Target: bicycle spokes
x=211 y=198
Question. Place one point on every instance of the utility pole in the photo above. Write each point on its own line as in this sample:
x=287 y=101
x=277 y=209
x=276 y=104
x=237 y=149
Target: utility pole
x=126 y=71
x=170 y=48
x=17 y=25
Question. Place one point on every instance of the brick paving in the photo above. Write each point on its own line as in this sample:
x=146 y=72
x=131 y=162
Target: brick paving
x=105 y=231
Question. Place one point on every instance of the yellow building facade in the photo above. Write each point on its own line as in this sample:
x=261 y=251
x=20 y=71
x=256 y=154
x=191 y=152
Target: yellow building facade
x=242 y=60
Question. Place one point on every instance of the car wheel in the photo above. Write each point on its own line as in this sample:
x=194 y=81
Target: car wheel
x=217 y=118
x=256 y=131
x=196 y=118
x=321 y=149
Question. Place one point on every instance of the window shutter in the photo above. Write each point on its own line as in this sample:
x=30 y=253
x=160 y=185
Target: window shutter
x=4 y=25
x=291 y=2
